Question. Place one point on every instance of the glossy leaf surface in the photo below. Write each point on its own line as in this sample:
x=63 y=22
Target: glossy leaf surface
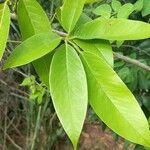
x=33 y=20
x=98 y=47
x=114 y=29
x=70 y=13
x=32 y=49
x=4 y=27
x=113 y=102
x=68 y=88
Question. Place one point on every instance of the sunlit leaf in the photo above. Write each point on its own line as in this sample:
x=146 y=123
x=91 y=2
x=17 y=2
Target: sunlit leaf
x=4 y=27
x=68 y=88
x=32 y=49
x=33 y=20
x=113 y=29
x=98 y=47
x=113 y=102
x=70 y=13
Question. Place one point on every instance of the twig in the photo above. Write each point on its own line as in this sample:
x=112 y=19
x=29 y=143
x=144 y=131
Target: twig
x=13 y=89
x=132 y=61
x=63 y=34
x=38 y=122
x=14 y=144
x=134 y=47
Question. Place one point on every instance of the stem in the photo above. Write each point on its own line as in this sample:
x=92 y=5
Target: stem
x=75 y=46
x=36 y=128
x=132 y=61
x=63 y=34
x=12 y=41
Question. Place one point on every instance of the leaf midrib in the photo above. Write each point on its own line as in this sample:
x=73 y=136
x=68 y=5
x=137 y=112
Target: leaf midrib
x=29 y=17
x=68 y=84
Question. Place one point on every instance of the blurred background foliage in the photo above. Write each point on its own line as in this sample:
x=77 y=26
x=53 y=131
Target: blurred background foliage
x=27 y=116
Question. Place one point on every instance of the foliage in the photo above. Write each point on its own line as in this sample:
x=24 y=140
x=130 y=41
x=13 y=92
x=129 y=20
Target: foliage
x=77 y=66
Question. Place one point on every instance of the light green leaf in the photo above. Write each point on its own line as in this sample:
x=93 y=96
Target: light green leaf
x=113 y=102
x=146 y=8
x=70 y=13
x=103 y=10
x=138 y=5
x=33 y=20
x=125 y=10
x=119 y=43
x=113 y=29
x=32 y=49
x=98 y=47
x=115 y=5
x=4 y=27
x=68 y=88
x=82 y=20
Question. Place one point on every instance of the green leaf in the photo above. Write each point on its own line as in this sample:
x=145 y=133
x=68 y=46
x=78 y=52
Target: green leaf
x=113 y=29
x=125 y=10
x=115 y=5
x=146 y=8
x=4 y=27
x=82 y=20
x=103 y=10
x=32 y=49
x=98 y=47
x=33 y=20
x=138 y=6
x=68 y=88
x=70 y=13
x=113 y=102
x=42 y=66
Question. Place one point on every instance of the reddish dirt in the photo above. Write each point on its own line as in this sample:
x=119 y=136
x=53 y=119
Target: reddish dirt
x=93 y=138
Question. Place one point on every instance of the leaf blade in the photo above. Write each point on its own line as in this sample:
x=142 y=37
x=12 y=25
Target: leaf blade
x=70 y=13
x=126 y=116
x=98 y=47
x=32 y=49
x=67 y=75
x=34 y=25
x=113 y=29
x=4 y=27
